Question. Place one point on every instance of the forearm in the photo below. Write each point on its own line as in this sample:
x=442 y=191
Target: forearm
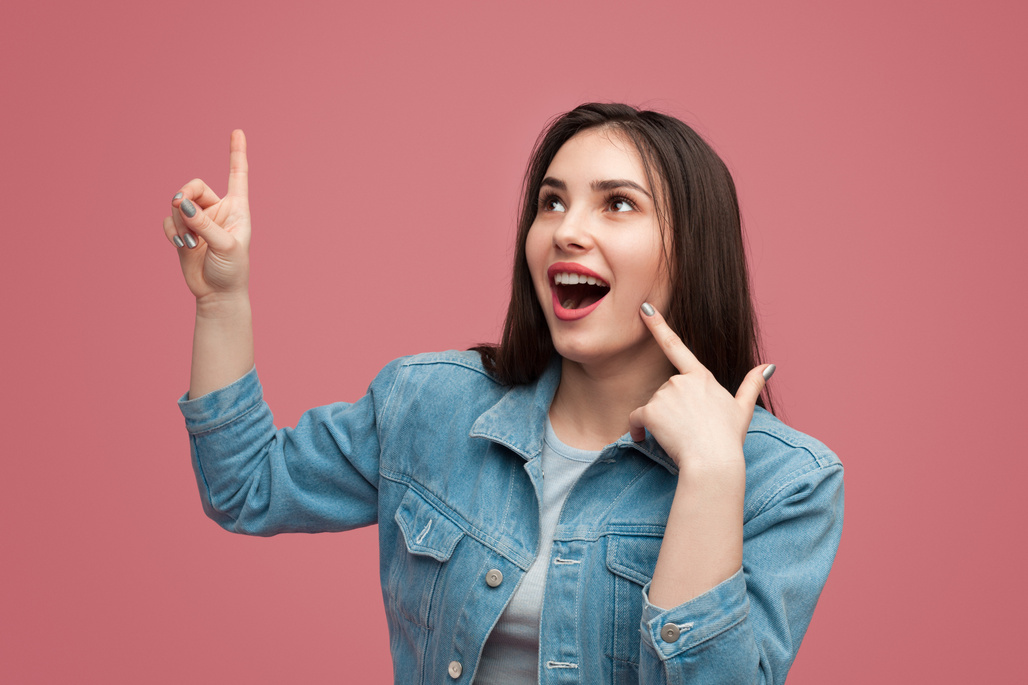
x=702 y=544
x=222 y=343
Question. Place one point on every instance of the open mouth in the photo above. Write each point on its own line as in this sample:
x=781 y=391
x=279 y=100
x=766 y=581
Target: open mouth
x=578 y=291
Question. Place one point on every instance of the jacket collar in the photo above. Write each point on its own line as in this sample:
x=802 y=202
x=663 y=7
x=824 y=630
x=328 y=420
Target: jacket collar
x=518 y=421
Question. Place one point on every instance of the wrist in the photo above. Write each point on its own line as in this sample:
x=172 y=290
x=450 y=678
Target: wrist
x=725 y=476
x=223 y=305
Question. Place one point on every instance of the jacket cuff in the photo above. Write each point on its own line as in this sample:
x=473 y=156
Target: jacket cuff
x=224 y=405
x=669 y=632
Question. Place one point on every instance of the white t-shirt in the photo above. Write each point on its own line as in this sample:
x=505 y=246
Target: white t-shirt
x=511 y=654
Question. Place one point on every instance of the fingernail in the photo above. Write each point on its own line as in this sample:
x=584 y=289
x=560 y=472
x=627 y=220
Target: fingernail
x=648 y=309
x=768 y=372
x=187 y=208
x=190 y=240
x=178 y=196
x=178 y=241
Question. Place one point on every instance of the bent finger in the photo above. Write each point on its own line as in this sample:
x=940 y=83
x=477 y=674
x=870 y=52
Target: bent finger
x=198 y=192
x=187 y=237
x=197 y=221
x=753 y=384
x=637 y=425
x=675 y=350
x=238 y=167
x=171 y=233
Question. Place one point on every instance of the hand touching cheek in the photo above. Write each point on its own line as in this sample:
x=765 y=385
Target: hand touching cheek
x=697 y=422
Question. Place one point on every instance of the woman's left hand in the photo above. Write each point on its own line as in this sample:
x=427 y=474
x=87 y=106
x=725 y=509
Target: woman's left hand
x=697 y=422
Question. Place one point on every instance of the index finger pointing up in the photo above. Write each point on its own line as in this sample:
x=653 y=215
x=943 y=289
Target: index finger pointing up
x=679 y=355
x=237 y=166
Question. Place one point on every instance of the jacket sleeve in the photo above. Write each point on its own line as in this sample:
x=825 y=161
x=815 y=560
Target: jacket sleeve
x=748 y=628
x=259 y=480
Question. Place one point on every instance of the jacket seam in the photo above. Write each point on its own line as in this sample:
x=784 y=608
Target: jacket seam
x=226 y=422
x=762 y=499
x=790 y=480
x=382 y=428
x=429 y=360
x=203 y=474
x=819 y=459
x=624 y=490
x=438 y=503
x=510 y=498
x=619 y=530
x=707 y=638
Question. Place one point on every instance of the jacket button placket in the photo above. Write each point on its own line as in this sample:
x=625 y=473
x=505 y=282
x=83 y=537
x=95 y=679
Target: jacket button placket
x=559 y=637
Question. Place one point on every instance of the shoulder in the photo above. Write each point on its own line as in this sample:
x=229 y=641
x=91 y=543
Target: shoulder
x=782 y=462
x=458 y=362
x=443 y=376
x=452 y=366
x=426 y=405
x=769 y=433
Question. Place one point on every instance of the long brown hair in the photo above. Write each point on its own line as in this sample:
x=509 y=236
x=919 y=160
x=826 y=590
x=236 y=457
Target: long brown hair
x=710 y=306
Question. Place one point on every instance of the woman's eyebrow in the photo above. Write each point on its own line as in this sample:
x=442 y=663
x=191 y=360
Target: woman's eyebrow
x=619 y=183
x=599 y=186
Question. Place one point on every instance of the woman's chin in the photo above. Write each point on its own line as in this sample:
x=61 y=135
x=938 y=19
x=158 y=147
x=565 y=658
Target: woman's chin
x=591 y=352
x=626 y=342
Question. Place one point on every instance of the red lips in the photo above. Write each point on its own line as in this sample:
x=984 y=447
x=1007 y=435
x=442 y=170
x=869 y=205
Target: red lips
x=569 y=298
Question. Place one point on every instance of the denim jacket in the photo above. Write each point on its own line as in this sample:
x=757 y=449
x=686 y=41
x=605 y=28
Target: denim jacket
x=446 y=461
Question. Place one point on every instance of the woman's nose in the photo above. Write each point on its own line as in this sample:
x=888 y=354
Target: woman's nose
x=573 y=234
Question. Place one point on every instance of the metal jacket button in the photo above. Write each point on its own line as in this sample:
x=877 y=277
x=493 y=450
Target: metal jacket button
x=494 y=578
x=455 y=669
x=670 y=632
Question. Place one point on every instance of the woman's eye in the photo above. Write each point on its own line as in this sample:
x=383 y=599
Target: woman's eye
x=621 y=204
x=552 y=204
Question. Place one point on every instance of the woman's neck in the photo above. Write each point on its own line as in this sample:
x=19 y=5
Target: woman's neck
x=591 y=406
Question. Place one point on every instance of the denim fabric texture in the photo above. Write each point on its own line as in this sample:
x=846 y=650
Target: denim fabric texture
x=446 y=461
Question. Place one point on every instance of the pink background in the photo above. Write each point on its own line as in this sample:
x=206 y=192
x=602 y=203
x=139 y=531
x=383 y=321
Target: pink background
x=879 y=149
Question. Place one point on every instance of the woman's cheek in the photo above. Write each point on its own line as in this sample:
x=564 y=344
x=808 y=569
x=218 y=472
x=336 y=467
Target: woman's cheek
x=535 y=254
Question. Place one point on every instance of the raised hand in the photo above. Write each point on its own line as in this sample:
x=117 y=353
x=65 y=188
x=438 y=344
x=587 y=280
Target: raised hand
x=697 y=422
x=212 y=234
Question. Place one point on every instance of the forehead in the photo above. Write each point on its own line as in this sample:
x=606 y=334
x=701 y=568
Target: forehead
x=598 y=154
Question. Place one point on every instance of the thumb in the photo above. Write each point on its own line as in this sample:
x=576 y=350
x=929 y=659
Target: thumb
x=199 y=223
x=637 y=424
x=753 y=385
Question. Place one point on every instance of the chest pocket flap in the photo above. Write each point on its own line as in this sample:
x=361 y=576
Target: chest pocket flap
x=425 y=529
x=632 y=557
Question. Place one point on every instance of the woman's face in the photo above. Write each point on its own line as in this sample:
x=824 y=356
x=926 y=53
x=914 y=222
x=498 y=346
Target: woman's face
x=595 y=249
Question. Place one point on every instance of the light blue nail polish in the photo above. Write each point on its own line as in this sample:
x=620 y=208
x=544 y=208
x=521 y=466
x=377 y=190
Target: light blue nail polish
x=768 y=372
x=648 y=309
x=190 y=241
x=178 y=241
x=187 y=208
x=178 y=196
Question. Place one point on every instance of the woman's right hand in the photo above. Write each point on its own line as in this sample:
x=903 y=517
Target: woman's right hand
x=213 y=244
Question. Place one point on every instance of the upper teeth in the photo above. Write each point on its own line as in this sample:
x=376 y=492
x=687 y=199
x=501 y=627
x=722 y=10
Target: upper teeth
x=575 y=279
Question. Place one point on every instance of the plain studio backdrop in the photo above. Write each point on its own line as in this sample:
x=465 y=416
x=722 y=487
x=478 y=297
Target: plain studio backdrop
x=879 y=151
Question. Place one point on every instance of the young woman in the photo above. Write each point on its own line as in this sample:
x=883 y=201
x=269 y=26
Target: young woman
x=600 y=498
